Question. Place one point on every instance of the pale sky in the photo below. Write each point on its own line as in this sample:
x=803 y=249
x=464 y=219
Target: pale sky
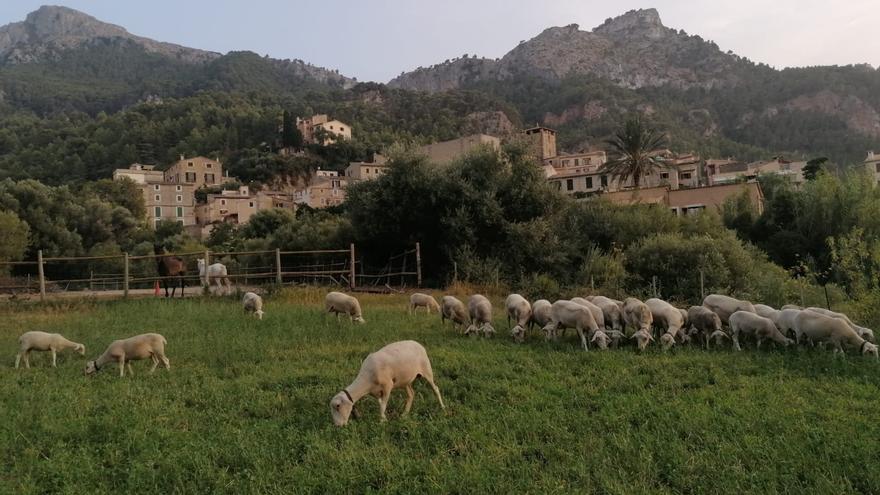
x=374 y=40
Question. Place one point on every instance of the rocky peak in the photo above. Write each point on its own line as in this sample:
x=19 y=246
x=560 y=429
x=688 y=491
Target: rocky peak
x=642 y=22
x=50 y=22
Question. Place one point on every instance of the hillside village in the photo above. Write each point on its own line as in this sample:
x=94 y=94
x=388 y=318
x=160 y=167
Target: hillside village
x=685 y=182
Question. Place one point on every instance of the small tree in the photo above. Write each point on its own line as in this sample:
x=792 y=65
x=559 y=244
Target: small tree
x=632 y=150
x=14 y=241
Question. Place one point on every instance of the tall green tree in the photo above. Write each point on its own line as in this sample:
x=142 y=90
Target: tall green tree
x=632 y=151
x=14 y=241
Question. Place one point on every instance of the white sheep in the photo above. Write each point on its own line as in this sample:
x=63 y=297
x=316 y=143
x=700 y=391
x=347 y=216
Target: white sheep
x=865 y=333
x=785 y=322
x=253 y=303
x=42 y=341
x=148 y=345
x=767 y=312
x=520 y=310
x=790 y=306
x=612 y=312
x=419 y=300
x=669 y=318
x=598 y=315
x=705 y=324
x=216 y=273
x=396 y=365
x=540 y=313
x=638 y=315
x=568 y=314
x=480 y=311
x=820 y=328
x=724 y=306
x=453 y=309
x=337 y=302
x=757 y=326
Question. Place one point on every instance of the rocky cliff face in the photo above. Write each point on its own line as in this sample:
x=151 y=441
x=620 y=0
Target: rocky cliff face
x=634 y=50
x=50 y=30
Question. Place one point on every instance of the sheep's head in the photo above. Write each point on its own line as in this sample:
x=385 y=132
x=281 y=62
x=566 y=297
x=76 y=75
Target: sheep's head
x=869 y=348
x=616 y=336
x=91 y=368
x=667 y=340
x=341 y=408
x=201 y=263
x=601 y=339
x=259 y=314
x=643 y=338
x=359 y=319
x=518 y=333
x=718 y=335
x=867 y=334
x=487 y=329
x=81 y=349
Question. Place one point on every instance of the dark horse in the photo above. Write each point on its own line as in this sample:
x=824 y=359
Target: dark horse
x=169 y=266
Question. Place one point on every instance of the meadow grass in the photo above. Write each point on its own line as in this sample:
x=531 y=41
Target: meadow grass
x=244 y=409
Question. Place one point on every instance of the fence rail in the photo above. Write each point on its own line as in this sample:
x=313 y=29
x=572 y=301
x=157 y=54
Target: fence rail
x=269 y=266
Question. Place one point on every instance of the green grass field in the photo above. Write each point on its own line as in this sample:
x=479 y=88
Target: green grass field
x=244 y=409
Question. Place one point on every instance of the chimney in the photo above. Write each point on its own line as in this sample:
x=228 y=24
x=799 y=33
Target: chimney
x=871 y=155
x=181 y=157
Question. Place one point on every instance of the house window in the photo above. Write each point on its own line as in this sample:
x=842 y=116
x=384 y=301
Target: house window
x=190 y=177
x=222 y=201
x=577 y=162
x=589 y=182
x=686 y=175
x=156 y=187
x=179 y=188
x=157 y=197
x=692 y=210
x=190 y=164
x=179 y=198
x=158 y=212
x=251 y=204
x=208 y=165
x=604 y=180
x=564 y=163
x=179 y=212
x=664 y=175
x=209 y=178
x=877 y=166
x=569 y=184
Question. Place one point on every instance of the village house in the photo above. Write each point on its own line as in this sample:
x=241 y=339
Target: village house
x=325 y=188
x=366 y=170
x=446 y=152
x=690 y=201
x=140 y=174
x=197 y=171
x=238 y=206
x=163 y=200
x=872 y=164
x=318 y=125
x=541 y=142
x=726 y=173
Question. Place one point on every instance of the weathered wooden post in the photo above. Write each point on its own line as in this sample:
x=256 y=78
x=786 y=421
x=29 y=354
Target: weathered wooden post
x=92 y=280
x=702 y=289
x=278 y=279
x=41 y=275
x=207 y=273
x=125 y=278
x=351 y=268
x=418 y=265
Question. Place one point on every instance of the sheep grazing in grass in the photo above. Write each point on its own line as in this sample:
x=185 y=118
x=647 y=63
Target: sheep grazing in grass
x=480 y=311
x=820 y=328
x=766 y=311
x=216 y=272
x=419 y=300
x=253 y=303
x=148 y=345
x=669 y=318
x=611 y=312
x=598 y=315
x=865 y=333
x=724 y=306
x=638 y=315
x=704 y=323
x=785 y=322
x=568 y=314
x=396 y=365
x=42 y=341
x=744 y=323
x=337 y=302
x=540 y=313
x=453 y=309
x=520 y=310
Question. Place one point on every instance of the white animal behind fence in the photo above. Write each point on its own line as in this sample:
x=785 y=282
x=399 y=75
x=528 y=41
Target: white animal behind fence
x=217 y=274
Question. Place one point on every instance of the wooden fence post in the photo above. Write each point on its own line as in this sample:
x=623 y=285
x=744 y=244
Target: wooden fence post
x=208 y=275
x=351 y=271
x=125 y=278
x=278 y=266
x=41 y=275
x=418 y=265
x=702 y=286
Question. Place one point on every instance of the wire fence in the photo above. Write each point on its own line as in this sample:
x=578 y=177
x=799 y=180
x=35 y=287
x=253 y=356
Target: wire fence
x=125 y=273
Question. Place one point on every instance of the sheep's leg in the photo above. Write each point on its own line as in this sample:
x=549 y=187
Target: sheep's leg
x=583 y=340
x=736 y=341
x=760 y=341
x=121 y=367
x=130 y=370
x=54 y=356
x=155 y=362
x=410 y=394
x=383 y=402
x=17 y=359
x=165 y=362
x=27 y=359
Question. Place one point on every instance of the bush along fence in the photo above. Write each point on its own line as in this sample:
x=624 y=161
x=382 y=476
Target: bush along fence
x=125 y=273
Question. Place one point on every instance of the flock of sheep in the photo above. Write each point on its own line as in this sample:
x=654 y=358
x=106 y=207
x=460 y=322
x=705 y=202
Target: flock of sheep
x=597 y=320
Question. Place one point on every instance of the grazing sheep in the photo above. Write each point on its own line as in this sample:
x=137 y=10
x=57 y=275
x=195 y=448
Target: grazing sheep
x=667 y=317
x=396 y=365
x=598 y=315
x=638 y=315
x=253 y=303
x=748 y=323
x=616 y=337
x=611 y=311
x=820 y=328
x=785 y=322
x=480 y=311
x=419 y=300
x=540 y=313
x=724 y=306
x=705 y=323
x=42 y=341
x=685 y=321
x=453 y=310
x=337 y=302
x=767 y=312
x=790 y=306
x=520 y=310
x=148 y=345
x=568 y=314
x=865 y=333
x=216 y=273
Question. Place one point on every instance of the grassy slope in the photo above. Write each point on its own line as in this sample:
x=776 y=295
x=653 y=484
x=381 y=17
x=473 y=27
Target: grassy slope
x=245 y=410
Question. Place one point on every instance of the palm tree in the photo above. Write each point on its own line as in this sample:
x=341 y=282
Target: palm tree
x=632 y=150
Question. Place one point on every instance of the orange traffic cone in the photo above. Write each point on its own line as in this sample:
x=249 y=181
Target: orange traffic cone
x=156 y=288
